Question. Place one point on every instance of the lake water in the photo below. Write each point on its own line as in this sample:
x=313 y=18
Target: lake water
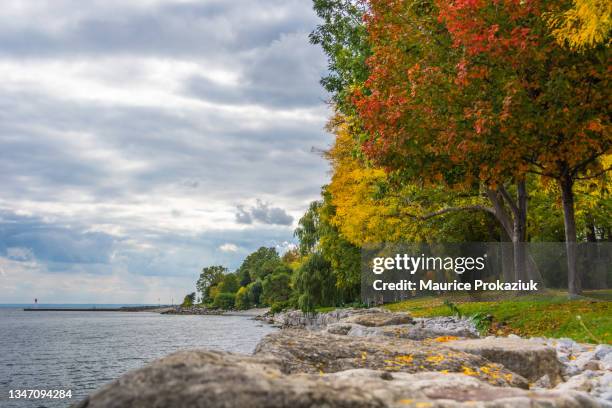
x=81 y=351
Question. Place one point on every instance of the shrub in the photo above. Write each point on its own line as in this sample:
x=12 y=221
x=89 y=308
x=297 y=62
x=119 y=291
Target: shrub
x=242 y=299
x=224 y=300
x=189 y=300
x=276 y=288
x=213 y=291
x=279 y=306
x=255 y=289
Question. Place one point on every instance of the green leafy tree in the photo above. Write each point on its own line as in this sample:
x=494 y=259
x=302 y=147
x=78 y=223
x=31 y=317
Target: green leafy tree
x=315 y=283
x=224 y=301
x=255 y=289
x=242 y=299
x=317 y=234
x=343 y=37
x=210 y=276
x=189 y=300
x=257 y=265
x=229 y=283
x=277 y=287
x=308 y=231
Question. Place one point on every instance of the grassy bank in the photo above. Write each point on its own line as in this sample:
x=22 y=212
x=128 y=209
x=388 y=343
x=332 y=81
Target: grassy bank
x=588 y=319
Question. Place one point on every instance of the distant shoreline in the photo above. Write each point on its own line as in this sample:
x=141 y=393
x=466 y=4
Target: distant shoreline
x=164 y=309
x=98 y=309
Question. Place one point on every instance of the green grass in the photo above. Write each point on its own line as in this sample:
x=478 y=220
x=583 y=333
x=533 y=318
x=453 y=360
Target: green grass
x=325 y=309
x=552 y=315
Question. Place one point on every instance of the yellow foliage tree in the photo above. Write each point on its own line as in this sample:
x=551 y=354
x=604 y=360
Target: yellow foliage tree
x=370 y=210
x=585 y=25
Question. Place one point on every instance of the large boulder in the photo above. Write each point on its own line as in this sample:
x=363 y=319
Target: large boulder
x=317 y=321
x=317 y=352
x=379 y=319
x=533 y=360
x=205 y=379
x=419 y=329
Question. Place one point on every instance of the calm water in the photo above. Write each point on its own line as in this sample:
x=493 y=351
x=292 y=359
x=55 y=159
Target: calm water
x=82 y=350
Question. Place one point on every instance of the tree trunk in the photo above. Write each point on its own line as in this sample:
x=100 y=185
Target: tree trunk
x=591 y=234
x=515 y=223
x=567 y=195
x=520 y=232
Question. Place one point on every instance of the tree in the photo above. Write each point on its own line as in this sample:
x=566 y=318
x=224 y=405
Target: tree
x=276 y=288
x=343 y=37
x=424 y=126
x=308 y=229
x=369 y=206
x=558 y=100
x=314 y=283
x=317 y=235
x=242 y=299
x=189 y=300
x=255 y=289
x=210 y=276
x=224 y=300
x=258 y=264
x=475 y=91
x=586 y=24
x=229 y=283
x=291 y=257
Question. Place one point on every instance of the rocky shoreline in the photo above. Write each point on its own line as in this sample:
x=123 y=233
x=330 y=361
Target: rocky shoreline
x=373 y=358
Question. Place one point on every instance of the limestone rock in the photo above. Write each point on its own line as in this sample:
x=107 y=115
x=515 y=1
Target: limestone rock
x=530 y=359
x=421 y=329
x=317 y=352
x=317 y=321
x=205 y=379
x=379 y=319
x=339 y=328
x=596 y=383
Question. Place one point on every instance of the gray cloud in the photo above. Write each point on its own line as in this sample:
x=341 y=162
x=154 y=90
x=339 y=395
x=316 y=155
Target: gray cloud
x=129 y=130
x=280 y=75
x=168 y=28
x=264 y=213
x=53 y=243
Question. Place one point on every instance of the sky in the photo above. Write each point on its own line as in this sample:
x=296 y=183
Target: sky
x=143 y=140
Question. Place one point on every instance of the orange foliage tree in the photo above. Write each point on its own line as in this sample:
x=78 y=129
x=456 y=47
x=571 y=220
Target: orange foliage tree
x=477 y=91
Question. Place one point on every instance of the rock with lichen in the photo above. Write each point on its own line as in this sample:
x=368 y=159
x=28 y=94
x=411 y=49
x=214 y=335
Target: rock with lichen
x=207 y=379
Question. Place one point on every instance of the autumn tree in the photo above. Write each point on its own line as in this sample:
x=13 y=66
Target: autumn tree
x=371 y=207
x=428 y=119
x=476 y=91
x=585 y=24
x=558 y=101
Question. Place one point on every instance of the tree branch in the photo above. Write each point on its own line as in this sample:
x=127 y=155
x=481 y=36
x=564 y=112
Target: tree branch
x=592 y=176
x=453 y=209
x=509 y=200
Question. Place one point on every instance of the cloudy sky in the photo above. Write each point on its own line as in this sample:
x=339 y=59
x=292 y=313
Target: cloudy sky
x=141 y=140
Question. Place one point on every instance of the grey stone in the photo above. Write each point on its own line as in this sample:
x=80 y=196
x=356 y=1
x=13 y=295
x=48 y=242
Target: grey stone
x=339 y=328
x=205 y=379
x=602 y=351
x=379 y=319
x=317 y=352
x=317 y=321
x=530 y=359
